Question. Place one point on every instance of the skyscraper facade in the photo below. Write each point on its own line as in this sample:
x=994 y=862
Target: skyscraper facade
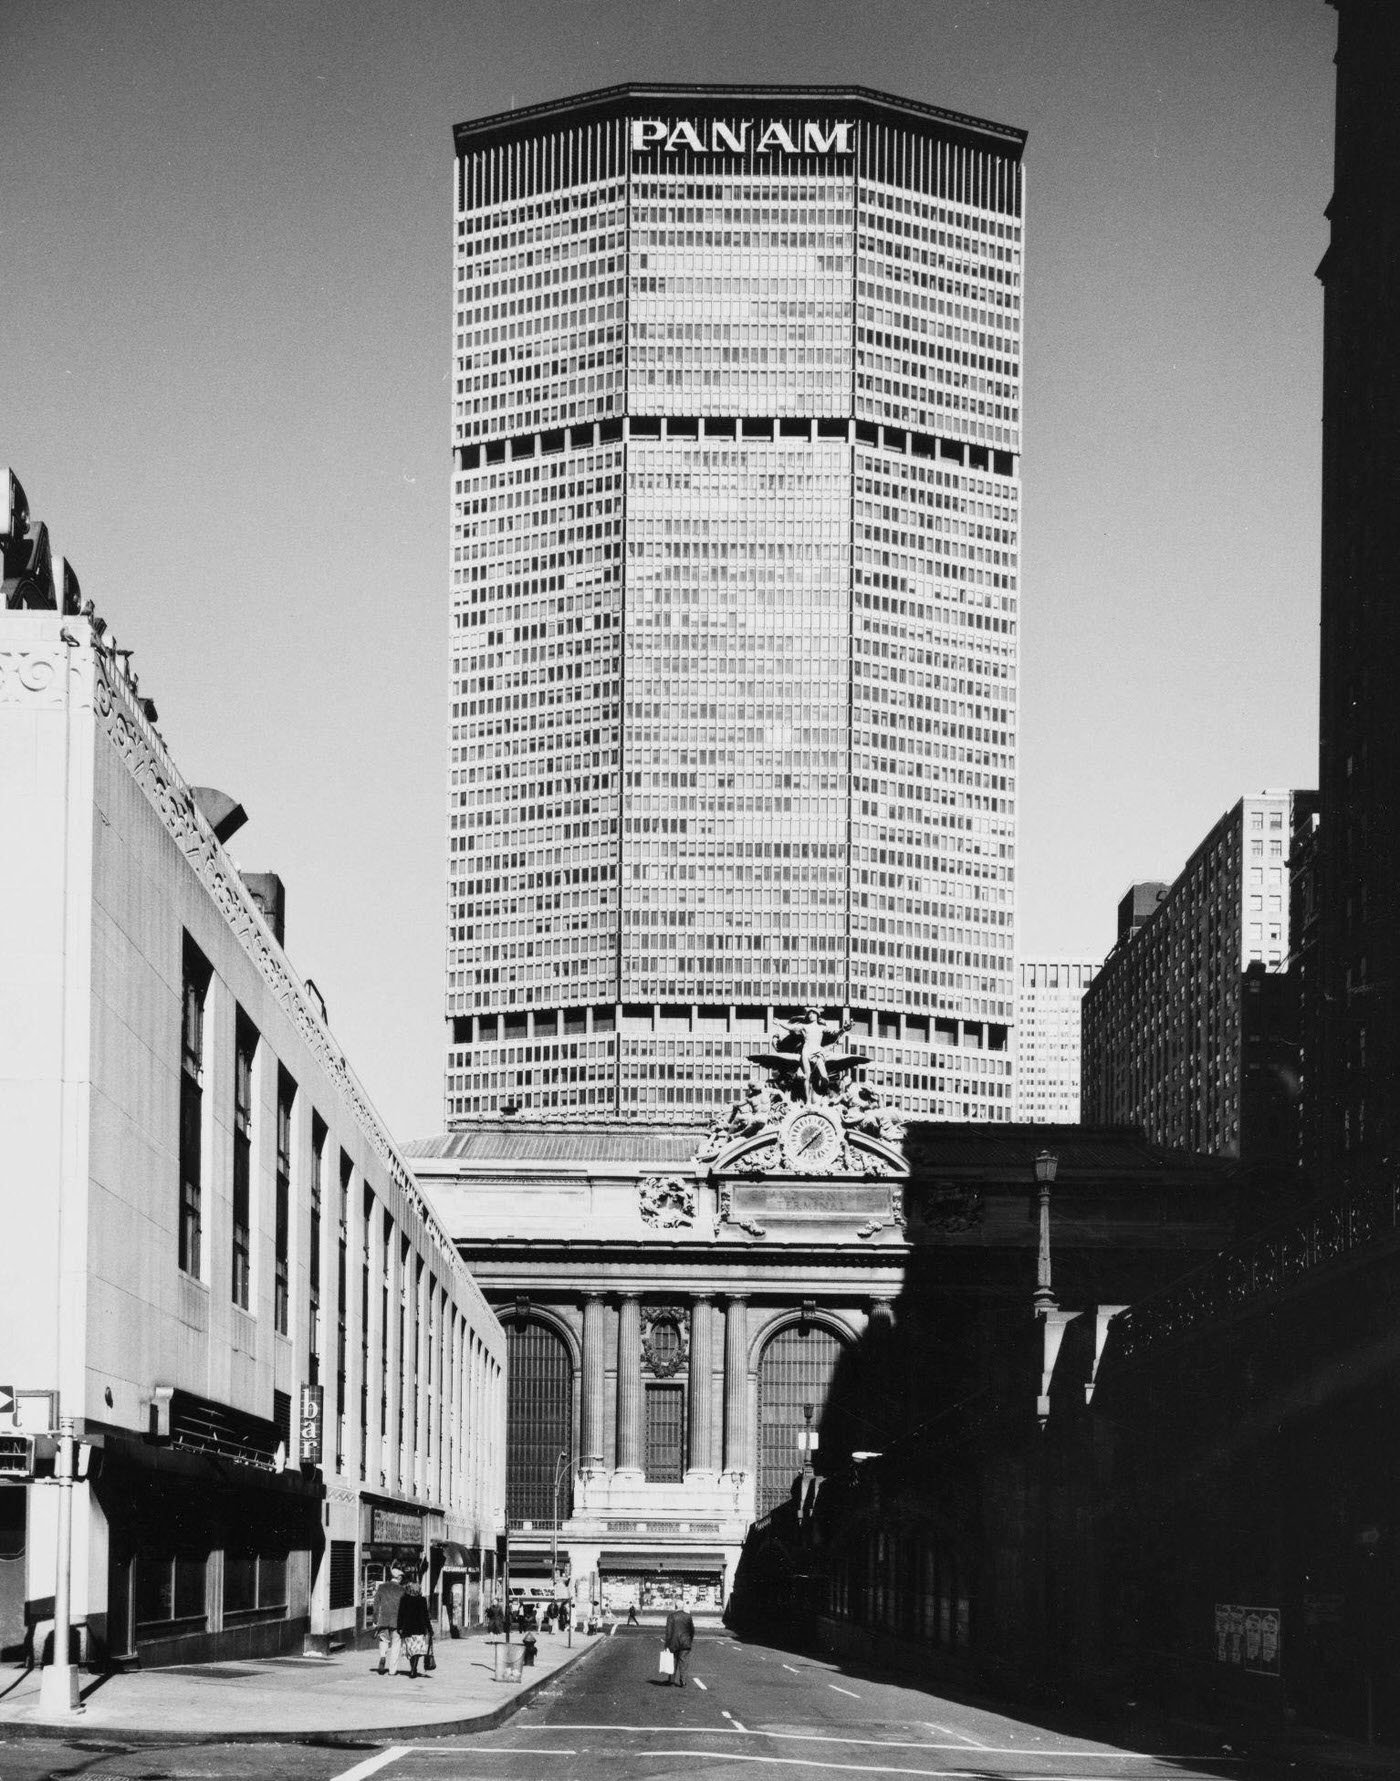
x=1183 y=1026
x=1353 y=1080
x=1046 y=1083
x=735 y=584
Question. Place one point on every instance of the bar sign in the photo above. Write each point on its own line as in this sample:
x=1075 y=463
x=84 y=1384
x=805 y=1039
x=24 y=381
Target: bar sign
x=312 y=1402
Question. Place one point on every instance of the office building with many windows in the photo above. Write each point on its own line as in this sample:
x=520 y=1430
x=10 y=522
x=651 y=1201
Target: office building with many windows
x=735 y=584
x=217 y=1263
x=1048 y=994
x=1187 y=1028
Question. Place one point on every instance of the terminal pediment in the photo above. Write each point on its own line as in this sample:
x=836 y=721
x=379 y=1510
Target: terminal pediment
x=814 y=1145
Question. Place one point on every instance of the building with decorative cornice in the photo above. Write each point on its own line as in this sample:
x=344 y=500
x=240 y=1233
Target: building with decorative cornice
x=735 y=589
x=216 y=1261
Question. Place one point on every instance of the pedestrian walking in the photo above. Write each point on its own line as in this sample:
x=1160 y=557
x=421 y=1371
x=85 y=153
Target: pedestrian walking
x=679 y=1639
x=415 y=1627
x=632 y=1619
x=386 y=1619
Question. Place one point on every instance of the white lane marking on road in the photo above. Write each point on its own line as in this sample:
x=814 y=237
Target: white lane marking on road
x=951 y=1731
x=372 y=1764
x=850 y=1691
x=721 y=1731
x=793 y=1668
x=701 y=1685
x=807 y=1762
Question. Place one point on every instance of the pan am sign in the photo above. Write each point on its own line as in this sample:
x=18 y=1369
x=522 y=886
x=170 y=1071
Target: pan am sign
x=716 y=138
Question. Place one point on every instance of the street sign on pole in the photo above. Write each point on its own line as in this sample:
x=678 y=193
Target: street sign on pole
x=58 y=1681
x=7 y=1400
x=16 y=1456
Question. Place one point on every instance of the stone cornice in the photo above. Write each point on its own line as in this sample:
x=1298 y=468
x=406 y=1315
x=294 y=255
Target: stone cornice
x=33 y=656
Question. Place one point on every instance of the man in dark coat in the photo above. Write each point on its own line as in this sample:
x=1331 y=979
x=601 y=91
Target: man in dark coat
x=386 y=1619
x=680 y=1637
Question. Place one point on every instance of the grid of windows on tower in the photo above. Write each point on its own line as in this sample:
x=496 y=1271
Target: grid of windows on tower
x=740 y=284
x=733 y=683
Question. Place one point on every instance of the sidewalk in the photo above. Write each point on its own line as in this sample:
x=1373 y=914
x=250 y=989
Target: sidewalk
x=1288 y=1747
x=334 y=1700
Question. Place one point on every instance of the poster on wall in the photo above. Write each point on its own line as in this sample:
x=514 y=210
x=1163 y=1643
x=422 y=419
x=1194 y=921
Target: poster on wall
x=1249 y=1638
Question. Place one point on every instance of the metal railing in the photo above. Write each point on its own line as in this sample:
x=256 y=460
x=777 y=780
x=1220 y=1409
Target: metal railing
x=1273 y=1261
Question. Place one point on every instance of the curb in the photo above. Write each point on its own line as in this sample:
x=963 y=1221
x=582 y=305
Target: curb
x=353 y=1738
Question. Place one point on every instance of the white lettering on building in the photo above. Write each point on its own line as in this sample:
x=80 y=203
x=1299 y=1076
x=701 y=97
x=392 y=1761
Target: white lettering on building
x=716 y=138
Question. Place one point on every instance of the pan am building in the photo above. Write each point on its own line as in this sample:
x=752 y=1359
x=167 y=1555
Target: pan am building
x=735 y=584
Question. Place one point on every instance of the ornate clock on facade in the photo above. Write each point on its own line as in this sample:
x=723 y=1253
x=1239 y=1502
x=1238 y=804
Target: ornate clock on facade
x=811 y=1139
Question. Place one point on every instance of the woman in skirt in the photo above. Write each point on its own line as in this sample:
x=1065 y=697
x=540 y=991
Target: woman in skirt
x=415 y=1626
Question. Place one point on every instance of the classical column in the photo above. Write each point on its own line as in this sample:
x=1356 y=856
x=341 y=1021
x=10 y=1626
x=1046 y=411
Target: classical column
x=629 y=1384
x=883 y=1385
x=702 y=1384
x=594 y=1369
x=736 y=1385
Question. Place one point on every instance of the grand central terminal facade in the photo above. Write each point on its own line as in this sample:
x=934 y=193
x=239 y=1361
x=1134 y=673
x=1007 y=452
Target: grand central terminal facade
x=674 y=1298
x=695 y=1313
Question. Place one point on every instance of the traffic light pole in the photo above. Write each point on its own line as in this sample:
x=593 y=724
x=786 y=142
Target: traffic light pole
x=58 y=1681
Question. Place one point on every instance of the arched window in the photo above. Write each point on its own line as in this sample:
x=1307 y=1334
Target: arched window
x=539 y=1422
x=796 y=1369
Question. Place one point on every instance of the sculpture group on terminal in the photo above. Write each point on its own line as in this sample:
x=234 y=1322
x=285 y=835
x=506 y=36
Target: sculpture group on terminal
x=814 y=1116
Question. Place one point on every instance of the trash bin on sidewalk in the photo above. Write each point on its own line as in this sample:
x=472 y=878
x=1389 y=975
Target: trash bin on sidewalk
x=507 y=1662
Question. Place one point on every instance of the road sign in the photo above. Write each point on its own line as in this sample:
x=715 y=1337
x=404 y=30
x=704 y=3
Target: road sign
x=16 y=1456
x=35 y=1412
x=7 y=1400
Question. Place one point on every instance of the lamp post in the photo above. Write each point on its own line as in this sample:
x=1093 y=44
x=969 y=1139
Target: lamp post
x=1045 y=1167
x=561 y=1466
x=1052 y=1329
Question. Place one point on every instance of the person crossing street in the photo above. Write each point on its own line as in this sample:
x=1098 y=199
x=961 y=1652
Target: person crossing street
x=679 y=1639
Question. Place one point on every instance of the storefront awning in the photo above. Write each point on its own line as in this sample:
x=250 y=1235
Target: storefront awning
x=669 y=1563
x=450 y=1554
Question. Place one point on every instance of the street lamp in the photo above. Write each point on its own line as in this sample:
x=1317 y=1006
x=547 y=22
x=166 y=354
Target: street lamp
x=561 y=1467
x=1052 y=1331
x=1045 y=1167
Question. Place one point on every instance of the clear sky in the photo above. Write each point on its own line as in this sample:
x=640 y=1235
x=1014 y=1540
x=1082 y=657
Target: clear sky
x=225 y=274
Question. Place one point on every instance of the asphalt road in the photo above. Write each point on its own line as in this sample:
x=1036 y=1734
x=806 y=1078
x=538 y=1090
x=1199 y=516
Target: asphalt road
x=748 y=1710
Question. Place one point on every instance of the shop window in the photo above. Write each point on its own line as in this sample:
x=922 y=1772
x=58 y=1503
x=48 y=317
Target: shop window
x=240 y=1582
x=169 y=1592
x=255 y=1583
